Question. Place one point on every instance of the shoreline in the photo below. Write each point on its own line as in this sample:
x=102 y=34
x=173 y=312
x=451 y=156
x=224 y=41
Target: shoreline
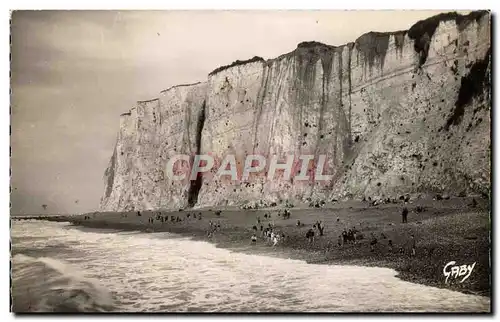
x=444 y=234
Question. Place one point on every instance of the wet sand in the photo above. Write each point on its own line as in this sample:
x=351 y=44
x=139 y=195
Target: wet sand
x=446 y=230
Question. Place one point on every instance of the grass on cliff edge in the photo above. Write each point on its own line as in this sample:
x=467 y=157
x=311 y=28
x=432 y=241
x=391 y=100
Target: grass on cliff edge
x=445 y=231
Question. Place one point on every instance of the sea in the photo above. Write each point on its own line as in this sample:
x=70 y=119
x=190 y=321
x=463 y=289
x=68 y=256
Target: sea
x=58 y=267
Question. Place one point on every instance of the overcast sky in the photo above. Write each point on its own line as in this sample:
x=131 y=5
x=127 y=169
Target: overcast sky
x=74 y=72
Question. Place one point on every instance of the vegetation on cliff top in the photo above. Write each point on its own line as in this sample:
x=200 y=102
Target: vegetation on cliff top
x=237 y=63
x=180 y=85
x=422 y=31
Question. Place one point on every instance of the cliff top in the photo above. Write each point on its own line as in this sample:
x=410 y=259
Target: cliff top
x=237 y=63
x=372 y=44
x=422 y=31
x=375 y=43
x=163 y=91
x=147 y=101
x=180 y=85
x=313 y=44
x=430 y=25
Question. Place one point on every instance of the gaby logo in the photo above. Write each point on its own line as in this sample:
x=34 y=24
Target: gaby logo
x=456 y=271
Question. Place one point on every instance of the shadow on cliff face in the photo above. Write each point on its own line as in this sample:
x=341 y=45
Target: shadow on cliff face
x=110 y=173
x=474 y=84
x=195 y=186
x=374 y=45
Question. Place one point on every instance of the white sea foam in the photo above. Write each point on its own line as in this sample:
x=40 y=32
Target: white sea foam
x=152 y=272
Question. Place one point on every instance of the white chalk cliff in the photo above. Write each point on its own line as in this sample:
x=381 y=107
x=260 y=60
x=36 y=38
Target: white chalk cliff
x=396 y=113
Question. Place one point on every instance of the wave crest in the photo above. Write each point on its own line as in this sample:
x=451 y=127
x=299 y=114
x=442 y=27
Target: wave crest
x=48 y=285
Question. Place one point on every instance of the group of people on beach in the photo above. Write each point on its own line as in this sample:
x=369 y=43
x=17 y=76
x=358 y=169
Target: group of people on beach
x=286 y=214
x=214 y=227
x=348 y=236
x=166 y=218
x=270 y=234
x=318 y=225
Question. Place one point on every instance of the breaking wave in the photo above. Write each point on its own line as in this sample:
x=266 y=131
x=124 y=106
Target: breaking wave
x=48 y=285
x=162 y=272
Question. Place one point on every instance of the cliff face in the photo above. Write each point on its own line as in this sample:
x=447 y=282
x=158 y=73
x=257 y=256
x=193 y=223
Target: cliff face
x=395 y=113
x=149 y=135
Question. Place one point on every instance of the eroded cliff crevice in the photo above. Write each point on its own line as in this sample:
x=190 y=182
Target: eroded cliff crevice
x=195 y=186
x=394 y=112
x=475 y=83
x=109 y=174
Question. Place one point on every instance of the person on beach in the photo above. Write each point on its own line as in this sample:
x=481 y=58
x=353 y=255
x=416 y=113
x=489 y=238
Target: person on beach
x=261 y=227
x=339 y=242
x=344 y=237
x=373 y=243
x=254 y=238
x=350 y=236
x=413 y=245
x=404 y=215
x=254 y=228
x=321 y=227
x=298 y=223
x=275 y=240
x=139 y=214
x=310 y=235
x=390 y=245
